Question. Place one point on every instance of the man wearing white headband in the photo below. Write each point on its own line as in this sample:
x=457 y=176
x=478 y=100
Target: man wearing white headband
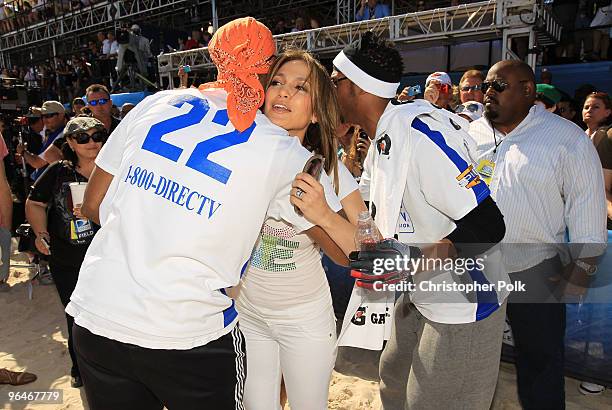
x=421 y=183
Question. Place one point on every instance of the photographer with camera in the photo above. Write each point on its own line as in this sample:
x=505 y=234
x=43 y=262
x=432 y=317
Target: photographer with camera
x=31 y=133
x=355 y=144
x=133 y=41
x=439 y=90
x=54 y=119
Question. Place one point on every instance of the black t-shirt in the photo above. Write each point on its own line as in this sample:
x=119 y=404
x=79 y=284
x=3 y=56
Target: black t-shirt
x=603 y=144
x=70 y=237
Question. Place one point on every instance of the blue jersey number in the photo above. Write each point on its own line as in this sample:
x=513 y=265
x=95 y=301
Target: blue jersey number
x=198 y=160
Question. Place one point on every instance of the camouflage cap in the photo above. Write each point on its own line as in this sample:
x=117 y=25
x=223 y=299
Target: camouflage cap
x=53 y=107
x=82 y=124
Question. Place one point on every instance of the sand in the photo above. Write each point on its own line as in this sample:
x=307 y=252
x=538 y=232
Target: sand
x=33 y=338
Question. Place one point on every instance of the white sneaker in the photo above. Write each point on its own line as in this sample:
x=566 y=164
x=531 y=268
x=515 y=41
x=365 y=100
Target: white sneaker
x=591 y=389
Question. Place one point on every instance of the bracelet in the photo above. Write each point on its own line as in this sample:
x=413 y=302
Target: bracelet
x=39 y=234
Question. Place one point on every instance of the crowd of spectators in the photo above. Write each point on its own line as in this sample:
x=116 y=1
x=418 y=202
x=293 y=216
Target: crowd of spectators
x=586 y=37
x=440 y=90
x=16 y=14
x=66 y=77
x=587 y=27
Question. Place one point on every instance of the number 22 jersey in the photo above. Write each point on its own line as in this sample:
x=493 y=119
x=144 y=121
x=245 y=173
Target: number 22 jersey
x=180 y=218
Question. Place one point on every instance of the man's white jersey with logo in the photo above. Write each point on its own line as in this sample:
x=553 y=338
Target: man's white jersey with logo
x=421 y=179
x=180 y=218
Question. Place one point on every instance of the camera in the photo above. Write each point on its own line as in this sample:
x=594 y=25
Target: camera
x=414 y=90
x=123 y=36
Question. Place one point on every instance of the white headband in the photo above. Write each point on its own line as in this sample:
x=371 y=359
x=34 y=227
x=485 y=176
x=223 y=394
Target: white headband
x=364 y=80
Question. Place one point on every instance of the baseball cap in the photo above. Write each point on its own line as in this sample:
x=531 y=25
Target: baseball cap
x=52 y=107
x=439 y=76
x=82 y=124
x=34 y=112
x=471 y=109
x=548 y=92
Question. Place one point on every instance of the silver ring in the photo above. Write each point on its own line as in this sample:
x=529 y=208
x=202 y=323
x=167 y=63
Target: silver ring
x=299 y=193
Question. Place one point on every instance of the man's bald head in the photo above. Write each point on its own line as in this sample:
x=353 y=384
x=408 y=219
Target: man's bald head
x=510 y=103
x=517 y=67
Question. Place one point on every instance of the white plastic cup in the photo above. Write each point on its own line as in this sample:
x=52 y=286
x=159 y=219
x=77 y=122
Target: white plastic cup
x=77 y=190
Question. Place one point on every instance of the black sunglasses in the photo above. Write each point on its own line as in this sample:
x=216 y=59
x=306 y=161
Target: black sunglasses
x=83 y=137
x=336 y=80
x=471 y=88
x=100 y=101
x=497 y=85
x=49 y=115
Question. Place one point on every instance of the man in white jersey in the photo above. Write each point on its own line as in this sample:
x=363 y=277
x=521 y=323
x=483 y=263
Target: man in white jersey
x=181 y=189
x=423 y=190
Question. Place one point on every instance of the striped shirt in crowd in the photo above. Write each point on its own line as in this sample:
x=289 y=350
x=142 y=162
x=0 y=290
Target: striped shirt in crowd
x=547 y=181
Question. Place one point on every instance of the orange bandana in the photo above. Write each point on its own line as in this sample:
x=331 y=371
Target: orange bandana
x=241 y=49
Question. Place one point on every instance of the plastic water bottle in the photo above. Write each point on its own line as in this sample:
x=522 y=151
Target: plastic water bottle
x=367 y=235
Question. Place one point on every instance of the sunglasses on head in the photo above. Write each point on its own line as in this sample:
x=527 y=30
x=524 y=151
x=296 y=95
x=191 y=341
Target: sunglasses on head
x=471 y=88
x=497 y=85
x=469 y=107
x=100 y=101
x=49 y=115
x=83 y=137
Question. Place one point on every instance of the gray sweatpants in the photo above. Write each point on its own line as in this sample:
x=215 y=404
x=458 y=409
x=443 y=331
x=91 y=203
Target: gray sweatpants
x=428 y=365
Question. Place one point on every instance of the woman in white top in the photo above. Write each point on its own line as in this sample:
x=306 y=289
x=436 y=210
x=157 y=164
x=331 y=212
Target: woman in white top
x=284 y=300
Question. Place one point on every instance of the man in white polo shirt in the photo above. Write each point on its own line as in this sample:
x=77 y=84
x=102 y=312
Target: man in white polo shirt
x=546 y=177
x=187 y=180
x=424 y=190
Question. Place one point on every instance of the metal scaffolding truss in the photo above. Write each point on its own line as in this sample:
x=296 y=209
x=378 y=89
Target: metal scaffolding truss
x=98 y=16
x=263 y=9
x=345 y=11
x=483 y=20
